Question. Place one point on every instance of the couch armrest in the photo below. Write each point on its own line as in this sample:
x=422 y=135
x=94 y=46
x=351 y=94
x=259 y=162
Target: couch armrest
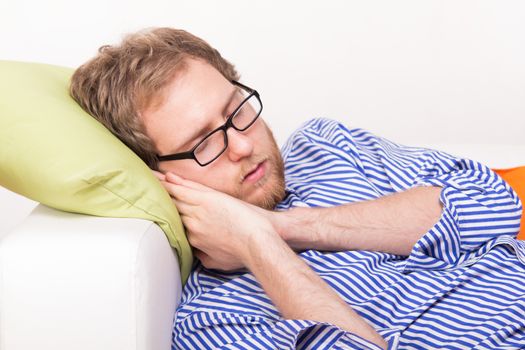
x=70 y=281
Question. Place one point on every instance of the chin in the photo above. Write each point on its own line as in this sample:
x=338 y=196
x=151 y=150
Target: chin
x=269 y=194
x=271 y=190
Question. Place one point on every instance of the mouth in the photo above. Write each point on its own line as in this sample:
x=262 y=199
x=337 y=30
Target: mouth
x=256 y=173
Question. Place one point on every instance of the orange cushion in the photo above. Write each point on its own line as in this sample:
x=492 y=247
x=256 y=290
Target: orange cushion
x=515 y=177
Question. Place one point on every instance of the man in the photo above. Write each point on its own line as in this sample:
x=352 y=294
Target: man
x=401 y=247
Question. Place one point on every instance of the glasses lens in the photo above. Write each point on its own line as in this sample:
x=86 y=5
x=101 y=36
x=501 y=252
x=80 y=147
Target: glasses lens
x=247 y=113
x=211 y=147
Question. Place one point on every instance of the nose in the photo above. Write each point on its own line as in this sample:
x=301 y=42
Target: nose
x=239 y=145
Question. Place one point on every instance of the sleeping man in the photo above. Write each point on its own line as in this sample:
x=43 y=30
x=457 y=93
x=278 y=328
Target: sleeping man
x=342 y=240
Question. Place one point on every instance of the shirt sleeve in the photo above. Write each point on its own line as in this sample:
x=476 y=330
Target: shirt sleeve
x=215 y=330
x=479 y=210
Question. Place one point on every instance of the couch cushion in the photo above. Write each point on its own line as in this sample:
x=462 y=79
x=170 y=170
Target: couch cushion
x=55 y=153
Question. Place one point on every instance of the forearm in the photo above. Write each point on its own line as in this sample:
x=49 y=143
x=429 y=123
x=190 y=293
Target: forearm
x=390 y=224
x=297 y=291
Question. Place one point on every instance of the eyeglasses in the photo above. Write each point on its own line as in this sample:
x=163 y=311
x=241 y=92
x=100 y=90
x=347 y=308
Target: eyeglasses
x=216 y=142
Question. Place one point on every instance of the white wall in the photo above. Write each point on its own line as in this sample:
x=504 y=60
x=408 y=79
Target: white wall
x=418 y=72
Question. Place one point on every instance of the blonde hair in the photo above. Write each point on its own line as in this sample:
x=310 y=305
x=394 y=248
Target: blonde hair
x=123 y=80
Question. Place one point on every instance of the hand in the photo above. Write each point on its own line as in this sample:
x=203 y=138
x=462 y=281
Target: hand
x=296 y=226
x=221 y=228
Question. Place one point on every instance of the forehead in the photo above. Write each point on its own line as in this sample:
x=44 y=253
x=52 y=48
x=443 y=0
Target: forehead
x=194 y=97
x=195 y=86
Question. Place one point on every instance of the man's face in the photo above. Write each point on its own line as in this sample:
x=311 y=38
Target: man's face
x=197 y=101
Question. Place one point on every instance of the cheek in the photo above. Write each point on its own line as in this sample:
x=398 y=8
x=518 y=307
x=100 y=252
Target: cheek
x=261 y=137
x=270 y=143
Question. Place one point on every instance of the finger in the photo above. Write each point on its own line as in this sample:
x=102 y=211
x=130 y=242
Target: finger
x=184 y=208
x=192 y=241
x=176 y=179
x=159 y=175
x=191 y=226
x=182 y=193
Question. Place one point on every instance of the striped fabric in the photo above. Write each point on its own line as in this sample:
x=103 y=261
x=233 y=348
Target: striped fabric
x=462 y=287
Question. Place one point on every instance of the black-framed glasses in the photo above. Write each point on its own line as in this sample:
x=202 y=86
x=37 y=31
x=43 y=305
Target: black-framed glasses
x=216 y=142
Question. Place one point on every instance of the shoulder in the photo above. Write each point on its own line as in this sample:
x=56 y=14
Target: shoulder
x=322 y=131
x=320 y=127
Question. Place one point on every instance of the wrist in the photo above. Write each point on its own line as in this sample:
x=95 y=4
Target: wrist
x=262 y=248
x=301 y=228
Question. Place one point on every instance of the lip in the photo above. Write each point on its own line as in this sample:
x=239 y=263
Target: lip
x=256 y=173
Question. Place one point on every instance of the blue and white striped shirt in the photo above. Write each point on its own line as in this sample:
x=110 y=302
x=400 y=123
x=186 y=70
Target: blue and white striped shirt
x=461 y=287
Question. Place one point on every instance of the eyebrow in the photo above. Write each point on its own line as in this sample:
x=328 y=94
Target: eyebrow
x=206 y=130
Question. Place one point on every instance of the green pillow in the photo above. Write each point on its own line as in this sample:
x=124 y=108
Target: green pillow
x=55 y=153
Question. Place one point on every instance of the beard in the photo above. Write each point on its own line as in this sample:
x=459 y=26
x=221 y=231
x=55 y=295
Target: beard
x=273 y=188
x=275 y=191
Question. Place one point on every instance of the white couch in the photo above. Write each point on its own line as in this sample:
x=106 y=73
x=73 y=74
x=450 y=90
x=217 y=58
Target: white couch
x=76 y=282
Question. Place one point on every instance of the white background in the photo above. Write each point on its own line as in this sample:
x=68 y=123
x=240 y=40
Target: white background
x=418 y=72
